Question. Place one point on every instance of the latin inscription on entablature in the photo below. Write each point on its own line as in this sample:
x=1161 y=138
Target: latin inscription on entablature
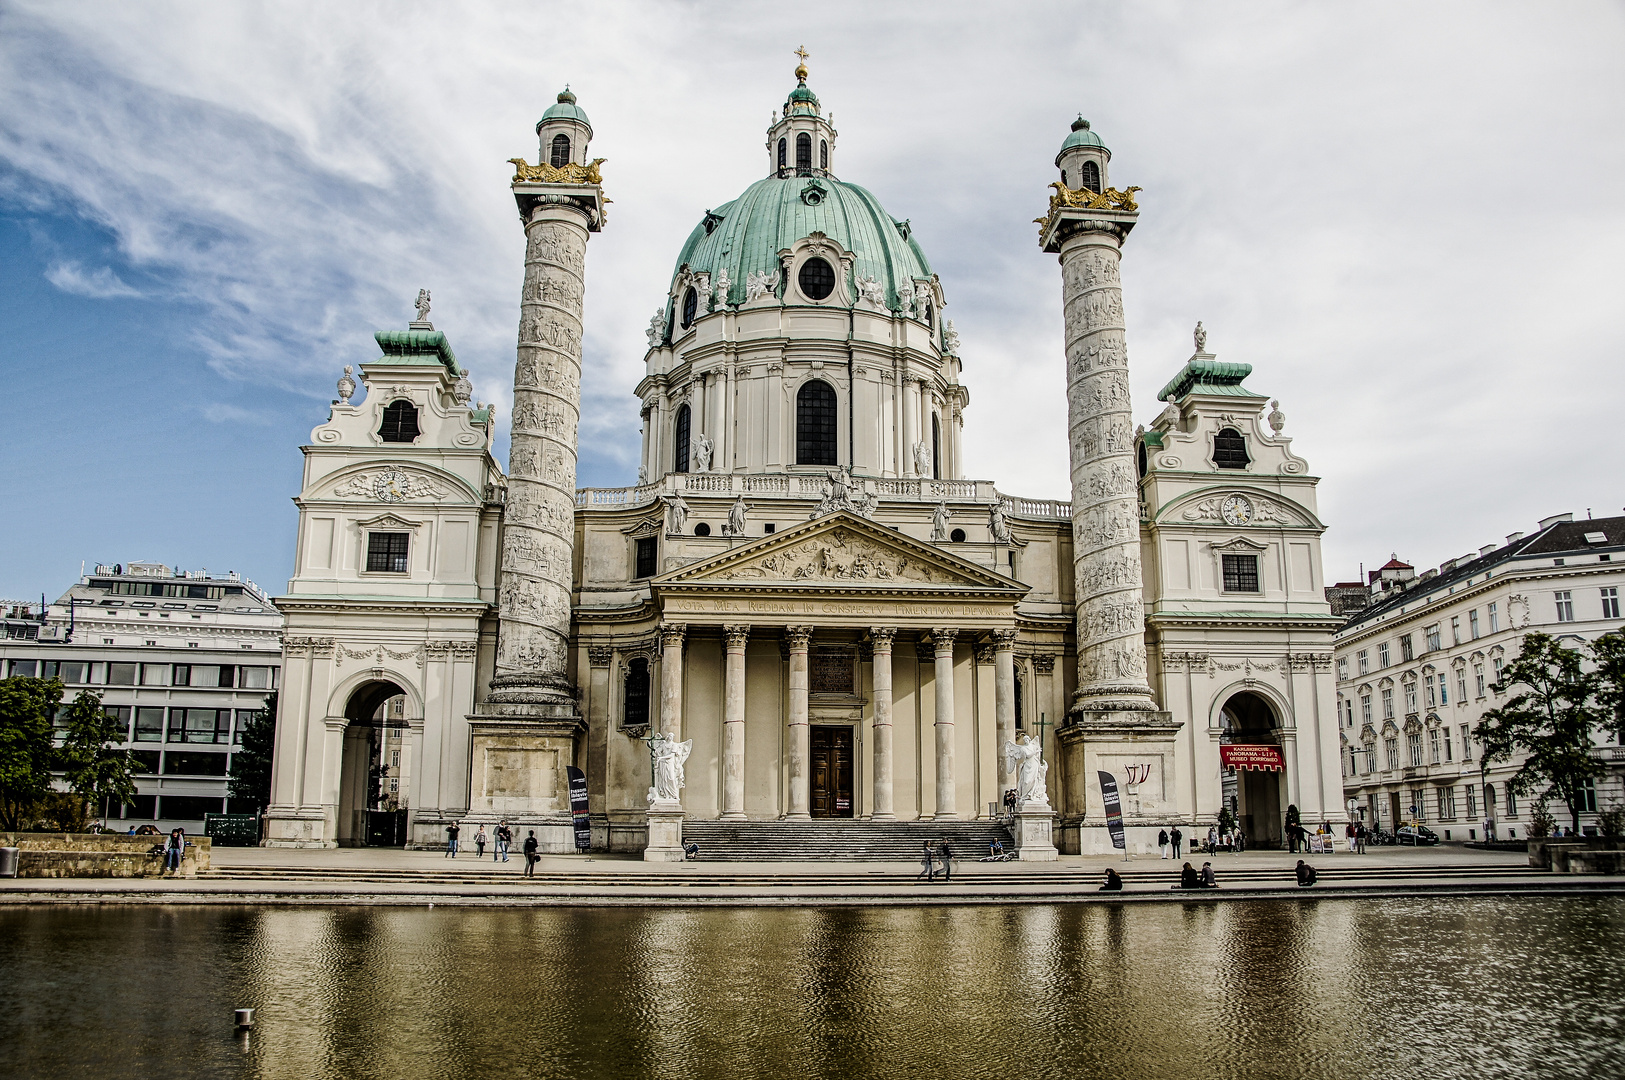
x=862 y=609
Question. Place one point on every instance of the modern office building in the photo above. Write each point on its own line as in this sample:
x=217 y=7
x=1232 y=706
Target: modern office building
x=182 y=658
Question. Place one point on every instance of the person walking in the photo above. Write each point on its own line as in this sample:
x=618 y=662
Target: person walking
x=504 y=839
x=928 y=865
x=452 y=832
x=530 y=854
x=1162 y=841
x=1176 y=838
x=479 y=842
x=1212 y=838
x=946 y=853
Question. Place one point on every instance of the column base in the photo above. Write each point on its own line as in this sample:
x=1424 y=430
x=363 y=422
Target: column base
x=519 y=752
x=733 y=816
x=945 y=815
x=1034 y=829
x=665 y=833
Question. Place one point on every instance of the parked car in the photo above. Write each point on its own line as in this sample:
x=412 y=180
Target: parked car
x=1420 y=835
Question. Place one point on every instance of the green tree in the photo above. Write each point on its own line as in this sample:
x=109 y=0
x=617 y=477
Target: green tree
x=26 y=708
x=1550 y=718
x=250 y=779
x=96 y=771
x=1608 y=658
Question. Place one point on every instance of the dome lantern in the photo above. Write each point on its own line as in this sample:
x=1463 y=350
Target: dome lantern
x=1083 y=158
x=563 y=133
x=800 y=142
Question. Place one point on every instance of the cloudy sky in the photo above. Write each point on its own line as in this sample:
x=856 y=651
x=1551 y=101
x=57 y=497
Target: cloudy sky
x=1407 y=217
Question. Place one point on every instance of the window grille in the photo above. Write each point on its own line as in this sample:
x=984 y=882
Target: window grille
x=1565 y=606
x=560 y=156
x=817 y=279
x=1240 y=573
x=635 y=701
x=1230 y=450
x=646 y=557
x=823 y=155
x=1610 y=603
x=1091 y=176
x=680 y=441
x=691 y=307
x=782 y=159
x=816 y=416
x=400 y=423
x=386 y=552
x=803 y=154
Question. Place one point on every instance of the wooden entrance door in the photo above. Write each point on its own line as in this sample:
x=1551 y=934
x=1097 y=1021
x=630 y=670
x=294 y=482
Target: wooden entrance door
x=832 y=772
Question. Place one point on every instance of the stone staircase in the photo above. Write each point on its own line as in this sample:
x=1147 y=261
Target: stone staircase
x=840 y=840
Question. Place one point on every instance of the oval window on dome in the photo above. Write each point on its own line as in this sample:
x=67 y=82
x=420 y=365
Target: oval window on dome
x=691 y=304
x=817 y=279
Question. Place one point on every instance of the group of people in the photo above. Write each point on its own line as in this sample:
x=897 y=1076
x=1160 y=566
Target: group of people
x=1167 y=841
x=504 y=841
x=942 y=854
x=1356 y=836
x=1192 y=878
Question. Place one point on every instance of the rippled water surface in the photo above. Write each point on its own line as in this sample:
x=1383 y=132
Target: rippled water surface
x=1401 y=988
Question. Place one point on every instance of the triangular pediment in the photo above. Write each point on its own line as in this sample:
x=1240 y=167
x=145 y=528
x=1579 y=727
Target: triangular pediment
x=843 y=551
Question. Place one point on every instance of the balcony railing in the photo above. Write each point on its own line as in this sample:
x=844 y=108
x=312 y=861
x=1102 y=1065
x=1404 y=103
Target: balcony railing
x=804 y=486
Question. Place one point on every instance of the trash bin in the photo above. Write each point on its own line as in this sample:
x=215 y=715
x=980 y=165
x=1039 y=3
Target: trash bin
x=8 y=862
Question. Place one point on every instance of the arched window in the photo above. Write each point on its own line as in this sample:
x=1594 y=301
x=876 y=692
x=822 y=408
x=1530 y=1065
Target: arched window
x=803 y=154
x=1017 y=687
x=816 y=415
x=823 y=155
x=1063 y=178
x=400 y=422
x=560 y=156
x=679 y=462
x=817 y=279
x=1091 y=176
x=1230 y=450
x=635 y=702
x=1143 y=460
x=691 y=307
x=928 y=321
x=936 y=448
x=782 y=159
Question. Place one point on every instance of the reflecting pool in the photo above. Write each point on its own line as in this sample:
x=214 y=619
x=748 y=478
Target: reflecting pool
x=1293 y=988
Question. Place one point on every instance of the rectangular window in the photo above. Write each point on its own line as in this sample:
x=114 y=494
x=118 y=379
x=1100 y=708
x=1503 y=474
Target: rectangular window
x=1478 y=679
x=386 y=552
x=394 y=759
x=1610 y=602
x=1391 y=750
x=1445 y=738
x=122 y=714
x=1410 y=697
x=188 y=807
x=1466 y=743
x=1407 y=648
x=1565 y=606
x=1495 y=618
x=149 y=725
x=1240 y=573
x=1447 y=804
x=1368 y=758
x=145 y=761
x=1432 y=701
x=75 y=673
x=1365 y=708
x=155 y=674
x=1364 y=661
x=1472 y=802
x=1433 y=637
x=394 y=784
x=1461 y=684
x=189 y=763
x=1444 y=694
x=1472 y=623
x=1587 y=796
x=1413 y=743
x=1419 y=804
x=254 y=678
x=1455 y=629
x=25 y=668
x=1382 y=654
x=121 y=674
x=646 y=555
x=1388 y=704
x=200 y=725
x=1342 y=667
x=1497 y=686
x=1434 y=757
x=1512 y=803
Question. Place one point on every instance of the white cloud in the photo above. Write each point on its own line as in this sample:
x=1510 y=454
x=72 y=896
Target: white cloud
x=99 y=284
x=1412 y=235
x=222 y=413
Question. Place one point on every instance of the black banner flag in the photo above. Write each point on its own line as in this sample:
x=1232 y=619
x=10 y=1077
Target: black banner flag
x=578 y=807
x=1114 y=810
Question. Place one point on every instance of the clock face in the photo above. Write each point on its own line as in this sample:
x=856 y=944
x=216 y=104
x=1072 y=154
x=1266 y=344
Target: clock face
x=390 y=486
x=1236 y=510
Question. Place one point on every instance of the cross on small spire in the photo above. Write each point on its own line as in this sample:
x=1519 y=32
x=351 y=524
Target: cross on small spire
x=801 y=68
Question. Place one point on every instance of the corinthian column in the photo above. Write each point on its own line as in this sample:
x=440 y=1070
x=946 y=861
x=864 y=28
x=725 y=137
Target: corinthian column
x=882 y=637
x=733 y=724
x=1004 y=700
x=538 y=526
x=942 y=641
x=1105 y=508
x=800 y=741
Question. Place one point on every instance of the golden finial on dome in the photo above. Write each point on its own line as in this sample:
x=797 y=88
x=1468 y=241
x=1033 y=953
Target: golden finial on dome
x=801 y=68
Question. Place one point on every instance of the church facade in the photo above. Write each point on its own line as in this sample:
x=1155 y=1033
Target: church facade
x=807 y=608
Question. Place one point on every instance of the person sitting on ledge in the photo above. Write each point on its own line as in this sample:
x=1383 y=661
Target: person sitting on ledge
x=1306 y=875
x=1189 y=878
x=996 y=848
x=1114 y=881
x=1208 y=880
x=691 y=851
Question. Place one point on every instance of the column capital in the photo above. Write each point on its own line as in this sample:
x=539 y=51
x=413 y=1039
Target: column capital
x=797 y=637
x=942 y=639
x=600 y=655
x=737 y=635
x=672 y=634
x=1043 y=663
x=881 y=636
x=1003 y=640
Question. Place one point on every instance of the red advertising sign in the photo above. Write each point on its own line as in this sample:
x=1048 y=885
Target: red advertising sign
x=1240 y=756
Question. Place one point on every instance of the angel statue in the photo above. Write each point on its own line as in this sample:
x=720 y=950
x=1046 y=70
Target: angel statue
x=702 y=452
x=939 y=523
x=668 y=755
x=423 y=305
x=1024 y=761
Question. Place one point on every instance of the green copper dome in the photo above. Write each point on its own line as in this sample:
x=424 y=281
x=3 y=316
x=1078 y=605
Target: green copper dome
x=747 y=234
x=802 y=99
x=566 y=109
x=1082 y=136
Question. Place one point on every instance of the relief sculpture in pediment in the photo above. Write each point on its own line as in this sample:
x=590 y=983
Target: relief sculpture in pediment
x=835 y=556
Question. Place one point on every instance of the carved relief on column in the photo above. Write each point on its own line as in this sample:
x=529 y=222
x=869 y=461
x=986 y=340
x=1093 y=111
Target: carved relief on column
x=1004 y=699
x=1105 y=510
x=671 y=679
x=733 y=722
x=880 y=643
x=539 y=519
x=942 y=641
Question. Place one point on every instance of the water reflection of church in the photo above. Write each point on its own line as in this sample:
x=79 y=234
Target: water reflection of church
x=804 y=583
